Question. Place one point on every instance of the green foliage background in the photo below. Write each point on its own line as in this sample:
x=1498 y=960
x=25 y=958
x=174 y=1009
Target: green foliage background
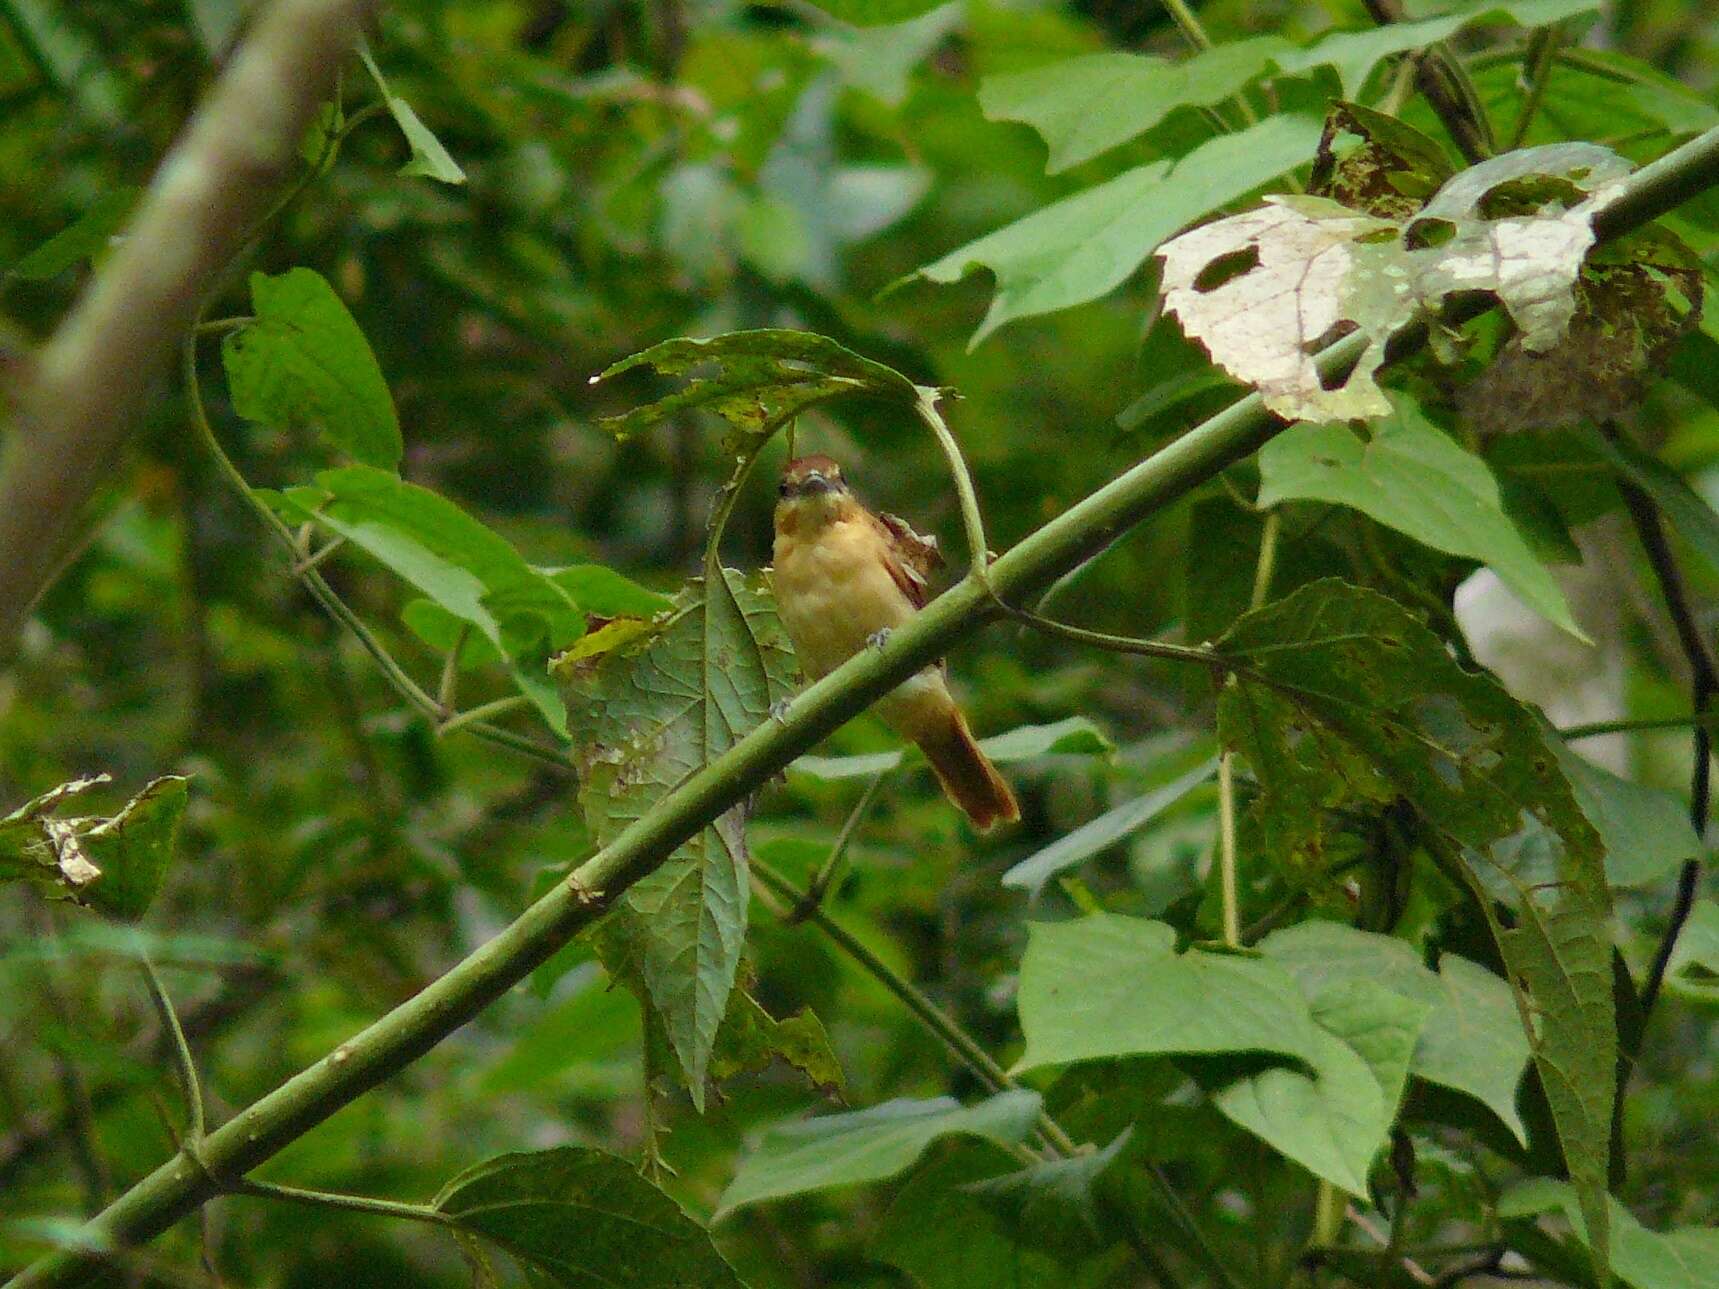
x=612 y=175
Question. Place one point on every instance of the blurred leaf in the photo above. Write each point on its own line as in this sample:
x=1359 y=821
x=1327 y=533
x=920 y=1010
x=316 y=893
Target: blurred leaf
x=645 y=716
x=1071 y=736
x=1692 y=972
x=1055 y=1205
x=577 y=1217
x=761 y=380
x=605 y=593
x=1080 y=997
x=85 y=238
x=751 y=1039
x=114 y=864
x=1100 y=834
x=942 y=1235
x=1685 y=512
x=67 y=58
x=429 y=158
x=1472 y=1040
x=1083 y=246
x=303 y=362
x=1085 y=106
x=1379 y=701
x=1685 y=1258
x=470 y=570
x=868 y=1145
x=1410 y=476
x=876 y=13
x=1647 y=833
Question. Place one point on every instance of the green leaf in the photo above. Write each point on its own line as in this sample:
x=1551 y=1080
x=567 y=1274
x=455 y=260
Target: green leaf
x=1685 y=512
x=1646 y=833
x=469 y=570
x=1334 y=1121
x=429 y=158
x=1085 y=106
x=85 y=238
x=604 y=593
x=1472 y=1040
x=113 y=863
x=751 y=1040
x=1354 y=54
x=762 y=379
x=1083 y=246
x=1362 y=692
x=1692 y=972
x=1101 y=833
x=644 y=716
x=876 y=13
x=1056 y=1205
x=941 y=1234
x=1080 y=997
x=304 y=363
x=1071 y=736
x=1684 y=1258
x=1410 y=476
x=868 y=1145
x=576 y=1217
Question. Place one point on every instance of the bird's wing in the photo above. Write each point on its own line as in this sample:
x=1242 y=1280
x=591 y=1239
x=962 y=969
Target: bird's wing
x=912 y=558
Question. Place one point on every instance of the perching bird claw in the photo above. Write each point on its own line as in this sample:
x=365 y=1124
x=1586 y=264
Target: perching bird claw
x=879 y=638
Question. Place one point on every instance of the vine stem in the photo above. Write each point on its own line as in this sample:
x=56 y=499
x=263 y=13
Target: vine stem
x=972 y=521
x=184 y=1062
x=396 y=1039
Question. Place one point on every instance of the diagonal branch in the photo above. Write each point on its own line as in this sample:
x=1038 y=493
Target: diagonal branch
x=392 y=1042
x=91 y=381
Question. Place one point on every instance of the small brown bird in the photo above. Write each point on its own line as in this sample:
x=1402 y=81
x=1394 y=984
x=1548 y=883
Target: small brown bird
x=845 y=578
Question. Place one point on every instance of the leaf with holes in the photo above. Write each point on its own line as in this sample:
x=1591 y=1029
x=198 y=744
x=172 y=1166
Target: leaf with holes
x=1265 y=290
x=1382 y=713
x=757 y=380
x=644 y=716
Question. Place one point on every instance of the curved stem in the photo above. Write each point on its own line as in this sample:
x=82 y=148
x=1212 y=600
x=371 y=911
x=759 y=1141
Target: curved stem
x=184 y=1062
x=1117 y=644
x=972 y=523
x=1595 y=728
x=348 y=1203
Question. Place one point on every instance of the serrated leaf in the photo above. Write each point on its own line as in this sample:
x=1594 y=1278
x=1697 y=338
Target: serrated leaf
x=1264 y=290
x=1083 y=246
x=114 y=863
x=577 y=1217
x=1071 y=736
x=644 y=716
x=468 y=569
x=868 y=1145
x=761 y=380
x=1080 y=997
x=1100 y=834
x=1409 y=475
x=85 y=238
x=1472 y=1040
x=1378 y=696
x=303 y=362
x=429 y=158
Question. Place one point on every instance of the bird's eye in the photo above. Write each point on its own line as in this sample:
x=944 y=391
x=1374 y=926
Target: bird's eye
x=782 y=488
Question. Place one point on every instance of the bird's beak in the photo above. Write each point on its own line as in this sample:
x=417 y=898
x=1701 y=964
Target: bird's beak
x=814 y=483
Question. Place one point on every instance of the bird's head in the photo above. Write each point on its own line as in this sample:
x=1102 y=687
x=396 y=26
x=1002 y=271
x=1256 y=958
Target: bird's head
x=812 y=489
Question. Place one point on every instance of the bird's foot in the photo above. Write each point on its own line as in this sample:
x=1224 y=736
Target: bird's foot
x=879 y=638
x=779 y=710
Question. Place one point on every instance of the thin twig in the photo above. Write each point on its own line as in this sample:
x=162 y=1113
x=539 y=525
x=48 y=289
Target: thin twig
x=1116 y=644
x=348 y=1203
x=1595 y=728
x=1227 y=849
x=1542 y=54
x=972 y=522
x=820 y=883
x=184 y=1062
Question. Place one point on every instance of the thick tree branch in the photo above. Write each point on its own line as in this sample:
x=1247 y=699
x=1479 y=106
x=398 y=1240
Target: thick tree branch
x=90 y=382
x=400 y=1037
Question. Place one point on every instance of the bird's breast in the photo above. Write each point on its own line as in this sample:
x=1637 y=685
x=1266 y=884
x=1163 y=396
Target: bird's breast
x=834 y=591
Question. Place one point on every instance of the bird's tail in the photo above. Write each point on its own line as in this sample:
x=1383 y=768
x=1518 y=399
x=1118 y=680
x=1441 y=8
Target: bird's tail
x=966 y=774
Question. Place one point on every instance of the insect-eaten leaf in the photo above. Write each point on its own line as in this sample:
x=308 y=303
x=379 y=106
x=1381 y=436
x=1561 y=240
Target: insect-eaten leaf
x=1344 y=698
x=302 y=362
x=110 y=863
x=1264 y=291
x=644 y=715
x=574 y=1217
x=755 y=380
